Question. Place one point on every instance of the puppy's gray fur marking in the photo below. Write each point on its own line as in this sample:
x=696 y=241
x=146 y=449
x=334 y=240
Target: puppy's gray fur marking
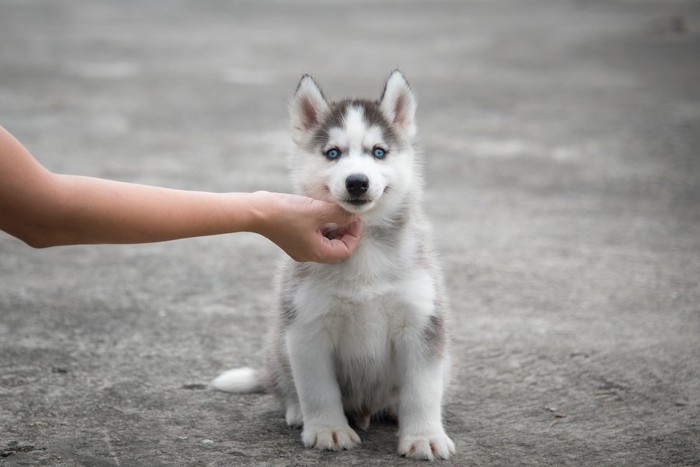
x=335 y=119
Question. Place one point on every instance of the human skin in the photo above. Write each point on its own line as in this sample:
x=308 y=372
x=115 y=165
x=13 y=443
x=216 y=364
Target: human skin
x=45 y=209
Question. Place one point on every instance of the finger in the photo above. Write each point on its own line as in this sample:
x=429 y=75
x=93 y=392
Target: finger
x=352 y=234
x=345 y=245
x=333 y=213
x=332 y=250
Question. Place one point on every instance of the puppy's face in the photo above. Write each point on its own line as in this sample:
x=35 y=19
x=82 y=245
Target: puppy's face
x=357 y=153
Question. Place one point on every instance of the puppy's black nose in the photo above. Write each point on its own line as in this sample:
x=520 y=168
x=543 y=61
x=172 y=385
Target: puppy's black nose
x=357 y=184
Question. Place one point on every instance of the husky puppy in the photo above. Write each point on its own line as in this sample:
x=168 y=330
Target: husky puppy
x=366 y=336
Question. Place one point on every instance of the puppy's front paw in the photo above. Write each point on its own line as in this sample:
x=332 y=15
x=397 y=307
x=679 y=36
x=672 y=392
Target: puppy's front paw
x=428 y=446
x=330 y=438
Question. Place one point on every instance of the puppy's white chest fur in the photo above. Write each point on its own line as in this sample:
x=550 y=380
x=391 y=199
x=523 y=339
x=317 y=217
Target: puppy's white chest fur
x=364 y=307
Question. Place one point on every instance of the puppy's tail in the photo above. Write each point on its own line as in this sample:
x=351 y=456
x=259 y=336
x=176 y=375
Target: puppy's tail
x=241 y=381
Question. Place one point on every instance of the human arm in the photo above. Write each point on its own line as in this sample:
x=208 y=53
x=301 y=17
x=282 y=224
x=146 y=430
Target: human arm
x=46 y=209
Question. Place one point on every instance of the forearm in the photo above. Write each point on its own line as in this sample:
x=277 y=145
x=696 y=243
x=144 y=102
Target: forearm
x=90 y=210
x=46 y=209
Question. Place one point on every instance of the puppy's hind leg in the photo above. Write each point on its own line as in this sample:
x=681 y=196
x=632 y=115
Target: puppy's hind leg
x=292 y=413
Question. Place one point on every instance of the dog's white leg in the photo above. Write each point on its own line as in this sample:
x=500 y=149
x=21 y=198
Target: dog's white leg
x=421 y=434
x=325 y=424
x=292 y=413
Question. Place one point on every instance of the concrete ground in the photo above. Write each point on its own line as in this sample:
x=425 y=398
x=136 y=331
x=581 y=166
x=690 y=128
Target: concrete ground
x=562 y=143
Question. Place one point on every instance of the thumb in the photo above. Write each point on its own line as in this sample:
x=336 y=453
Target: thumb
x=332 y=213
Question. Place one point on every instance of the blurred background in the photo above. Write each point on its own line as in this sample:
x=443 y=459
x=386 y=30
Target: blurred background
x=562 y=178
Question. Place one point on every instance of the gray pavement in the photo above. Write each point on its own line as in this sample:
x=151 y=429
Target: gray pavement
x=563 y=179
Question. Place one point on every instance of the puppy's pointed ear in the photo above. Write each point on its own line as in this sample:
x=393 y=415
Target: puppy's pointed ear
x=307 y=108
x=399 y=104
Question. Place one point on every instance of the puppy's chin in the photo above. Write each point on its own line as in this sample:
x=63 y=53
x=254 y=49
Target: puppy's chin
x=356 y=206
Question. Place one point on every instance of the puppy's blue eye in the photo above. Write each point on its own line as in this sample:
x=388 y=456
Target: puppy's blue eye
x=379 y=153
x=333 y=154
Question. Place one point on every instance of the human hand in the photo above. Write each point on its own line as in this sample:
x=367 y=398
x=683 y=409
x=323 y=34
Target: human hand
x=308 y=229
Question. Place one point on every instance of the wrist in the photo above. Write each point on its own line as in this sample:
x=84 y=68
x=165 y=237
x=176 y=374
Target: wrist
x=261 y=212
